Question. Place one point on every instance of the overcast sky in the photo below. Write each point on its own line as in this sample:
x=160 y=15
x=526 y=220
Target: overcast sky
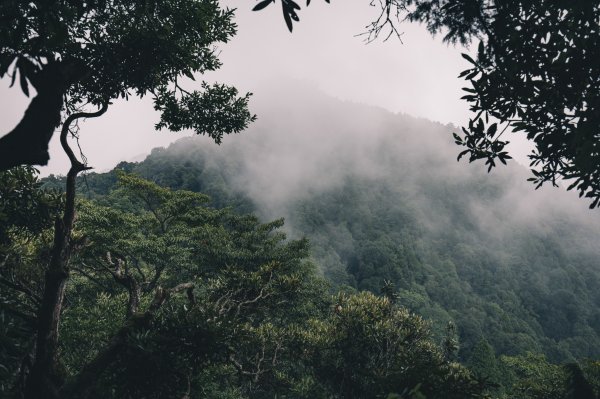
x=417 y=76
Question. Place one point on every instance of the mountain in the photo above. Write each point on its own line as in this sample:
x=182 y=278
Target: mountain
x=382 y=198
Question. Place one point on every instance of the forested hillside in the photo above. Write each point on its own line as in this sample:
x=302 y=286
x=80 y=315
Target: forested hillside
x=381 y=198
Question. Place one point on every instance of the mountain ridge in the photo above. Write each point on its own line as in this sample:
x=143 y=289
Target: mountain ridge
x=382 y=198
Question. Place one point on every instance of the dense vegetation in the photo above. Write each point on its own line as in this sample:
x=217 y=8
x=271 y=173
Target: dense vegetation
x=169 y=297
x=516 y=273
x=143 y=290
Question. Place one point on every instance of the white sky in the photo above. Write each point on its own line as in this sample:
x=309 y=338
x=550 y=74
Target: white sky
x=417 y=77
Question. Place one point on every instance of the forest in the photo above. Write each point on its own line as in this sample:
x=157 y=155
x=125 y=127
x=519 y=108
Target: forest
x=510 y=294
x=334 y=249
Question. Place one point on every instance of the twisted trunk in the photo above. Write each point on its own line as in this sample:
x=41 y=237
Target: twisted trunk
x=46 y=377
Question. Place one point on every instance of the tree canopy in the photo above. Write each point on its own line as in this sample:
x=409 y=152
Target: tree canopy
x=169 y=297
x=77 y=54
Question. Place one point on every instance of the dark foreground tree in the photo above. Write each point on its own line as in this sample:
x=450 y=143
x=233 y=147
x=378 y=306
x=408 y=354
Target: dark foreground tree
x=536 y=71
x=76 y=54
x=85 y=54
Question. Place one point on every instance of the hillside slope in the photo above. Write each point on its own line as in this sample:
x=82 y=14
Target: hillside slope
x=381 y=197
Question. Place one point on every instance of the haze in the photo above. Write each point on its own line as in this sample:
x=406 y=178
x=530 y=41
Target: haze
x=416 y=76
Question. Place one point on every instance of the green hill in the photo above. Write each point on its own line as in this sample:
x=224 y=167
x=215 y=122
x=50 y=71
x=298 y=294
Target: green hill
x=381 y=197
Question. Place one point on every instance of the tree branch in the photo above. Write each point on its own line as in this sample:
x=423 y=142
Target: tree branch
x=27 y=143
x=83 y=384
x=45 y=375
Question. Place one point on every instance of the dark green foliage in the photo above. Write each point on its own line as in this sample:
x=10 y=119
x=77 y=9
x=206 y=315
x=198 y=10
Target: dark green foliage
x=457 y=273
x=122 y=45
x=77 y=54
x=289 y=7
x=368 y=347
x=26 y=215
x=169 y=297
x=24 y=208
x=533 y=75
x=484 y=364
x=448 y=244
x=446 y=239
x=535 y=72
x=258 y=321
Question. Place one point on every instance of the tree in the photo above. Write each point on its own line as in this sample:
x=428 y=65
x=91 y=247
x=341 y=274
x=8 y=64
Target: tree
x=369 y=347
x=161 y=271
x=168 y=298
x=27 y=215
x=536 y=72
x=154 y=242
x=86 y=54
x=78 y=54
x=484 y=365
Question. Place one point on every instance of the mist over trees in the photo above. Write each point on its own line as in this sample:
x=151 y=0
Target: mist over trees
x=145 y=288
x=535 y=71
x=515 y=270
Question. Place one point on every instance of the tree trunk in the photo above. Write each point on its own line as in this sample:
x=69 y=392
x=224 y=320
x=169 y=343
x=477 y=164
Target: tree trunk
x=46 y=377
x=27 y=143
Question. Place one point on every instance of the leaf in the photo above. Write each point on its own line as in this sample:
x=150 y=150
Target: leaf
x=5 y=62
x=189 y=74
x=492 y=130
x=288 y=20
x=472 y=74
x=468 y=58
x=465 y=73
x=293 y=4
x=24 y=84
x=14 y=76
x=462 y=153
x=262 y=5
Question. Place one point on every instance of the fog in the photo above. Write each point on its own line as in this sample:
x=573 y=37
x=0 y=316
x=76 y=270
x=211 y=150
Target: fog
x=298 y=147
x=417 y=76
x=353 y=147
x=312 y=143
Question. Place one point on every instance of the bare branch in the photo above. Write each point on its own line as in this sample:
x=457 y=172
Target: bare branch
x=66 y=129
x=388 y=19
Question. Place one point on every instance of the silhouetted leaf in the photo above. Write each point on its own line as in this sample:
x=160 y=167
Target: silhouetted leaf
x=462 y=153
x=262 y=5
x=24 y=84
x=5 y=61
x=288 y=20
x=468 y=58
